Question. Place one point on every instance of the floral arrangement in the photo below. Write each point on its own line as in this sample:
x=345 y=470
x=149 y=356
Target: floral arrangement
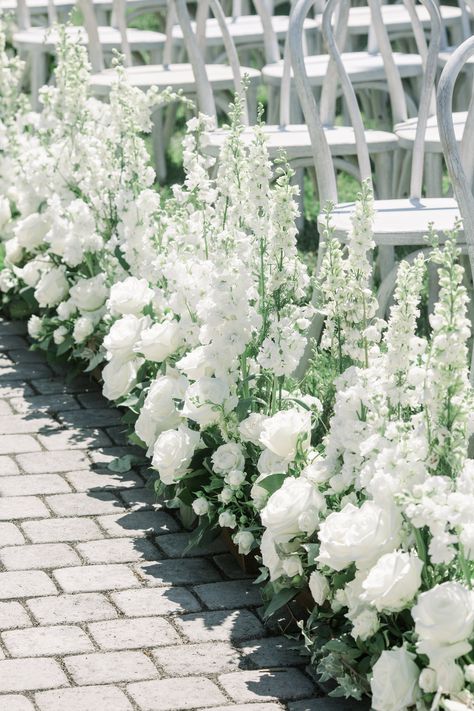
x=353 y=482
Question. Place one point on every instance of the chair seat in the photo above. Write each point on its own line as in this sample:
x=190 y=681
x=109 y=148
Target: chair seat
x=47 y=38
x=406 y=132
x=40 y=7
x=397 y=19
x=295 y=141
x=178 y=76
x=361 y=67
x=245 y=29
x=401 y=222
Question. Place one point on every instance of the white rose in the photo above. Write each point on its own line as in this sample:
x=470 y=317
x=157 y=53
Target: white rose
x=196 y=364
x=13 y=251
x=394 y=681
x=31 y=272
x=287 y=508
x=5 y=212
x=123 y=335
x=319 y=587
x=469 y=673
x=59 y=335
x=89 y=294
x=227 y=520
x=244 y=540
x=358 y=535
x=65 y=310
x=450 y=677
x=235 y=478
x=270 y=557
x=173 y=452
x=251 y=428
x=393 y=581
x=200 y=506
x=427 y=681
x=258 y=494
x=119 y=378
x=269 y=463
x=52 y=287
x=445 y=614
x=365 y=624
x=83 y=328
x=31 y=231
x=292 y=566
x=34 y=326
x=204 y=400
x=8 y=280
x=282 y=432
x=160 y=341
x=228 y=457
x=226 y=495
x=129 y=296
x=159 y=412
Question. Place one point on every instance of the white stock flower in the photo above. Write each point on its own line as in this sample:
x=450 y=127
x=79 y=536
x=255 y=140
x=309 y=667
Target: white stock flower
x=393 y=581
x=13 y=251
x=358 y=535
x=34 y=326
x=394 y=682
x=129 y=296
x=205 y=400
x=228 y=457
x=5 y=212
x=31 y=230
x=89 y=294
x=173 y=452
x=52 y=287
x=282 y=432
x=293 y=509
x=160 y=341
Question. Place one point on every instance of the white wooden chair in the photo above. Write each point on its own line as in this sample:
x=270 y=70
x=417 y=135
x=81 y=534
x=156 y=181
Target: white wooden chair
x=194 y=79
x=398 y=222
x=37 y=43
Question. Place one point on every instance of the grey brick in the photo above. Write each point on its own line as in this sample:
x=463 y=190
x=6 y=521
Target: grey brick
x=46 y=641
x=83 y=698
x=197 y=659
x=110 y=667
x=229 y=594
x=139 y=499
x=74 y=439
x=61 y=530
x=171 y=694
x=84 y=504
x=155 y=601
x=10 y=535
x=17 y=424
x=177 y=572
x=11 y=328
x=103 y=479
x=13 y=444
x=5 y=408
x=30 y=675
x=92 y=400
x=234 y=625
x=108 y=454
x=228 y=565
x=44 y=403
x=263 y=685
x=12 y=342
x=15 y=702
x=329 y=704
x=51 y=462
x=175 y=544
x=82 y=607
x=118 y=550
x=273 y=652
x=94 y=578
x=96 y=417
x=8 y=466
x=20 y=372
x=9 y=390
x=53 y=386
x=40 y=555
x=12 y=616
x=270 y=706
x=138 y=523
x=34 y=484
x=17 y=507
x=137 y=633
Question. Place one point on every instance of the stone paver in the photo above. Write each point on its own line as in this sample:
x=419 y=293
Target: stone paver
x=101 y=605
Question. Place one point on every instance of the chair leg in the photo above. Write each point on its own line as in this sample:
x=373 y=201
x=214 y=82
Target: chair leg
x=158 y=145
x=39 y=75
x=383 y=171
x=434 y=174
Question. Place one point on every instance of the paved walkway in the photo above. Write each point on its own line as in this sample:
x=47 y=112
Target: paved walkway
x=98 y=608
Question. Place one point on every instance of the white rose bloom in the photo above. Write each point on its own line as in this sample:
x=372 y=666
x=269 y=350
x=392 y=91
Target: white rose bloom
x=159 y=412
x=282 y=432
x=65 y=310
x=129 y=296
x=196 y=363
x=393 y=581
x=119 y=378
x=123 y=336
x=269 y=463
x=444 y=621
x=228 y=457
x=8 y=280
x=13 y=251
x=454 y=705
x=31 y=272
x=31 y=231
x=270 y=557
x=319 y=587
x=287 y=508
x=5 y=212
x=52 y=287
x=450 y=677
x=226 y=495
x=160 y=341
x=250 y=429
x=292 y=566
x=201 y=400
x=469 y=673
x=358 y=535
x=59 y=335
x=89 y=294
x=258 y=494
x=235 y=478
x=173 y=452
x=394 y=682
x=365 y=624
x=227 y=520
x=34 y=326
x=427 y=681
x=244 y=540
x=83 y=328
x=200 y=506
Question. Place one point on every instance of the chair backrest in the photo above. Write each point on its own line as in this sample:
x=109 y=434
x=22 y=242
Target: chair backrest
x=460 y=161
x=24 y=18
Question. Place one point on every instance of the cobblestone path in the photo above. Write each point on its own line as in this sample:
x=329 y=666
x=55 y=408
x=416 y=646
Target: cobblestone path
x=99 y=610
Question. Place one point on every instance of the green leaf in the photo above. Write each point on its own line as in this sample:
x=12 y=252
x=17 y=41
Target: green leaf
x=122 y=464
x=272 y=482
x=279 y=600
